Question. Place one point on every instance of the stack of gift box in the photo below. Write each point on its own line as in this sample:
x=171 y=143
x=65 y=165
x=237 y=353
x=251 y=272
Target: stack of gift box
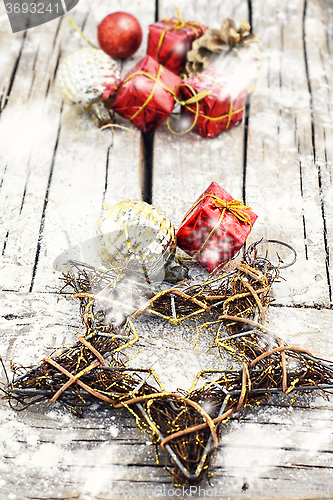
x=202 y=70
x=211 y=99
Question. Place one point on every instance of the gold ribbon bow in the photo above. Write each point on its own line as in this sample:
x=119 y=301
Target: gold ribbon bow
x=178 y=24
x=236 y=207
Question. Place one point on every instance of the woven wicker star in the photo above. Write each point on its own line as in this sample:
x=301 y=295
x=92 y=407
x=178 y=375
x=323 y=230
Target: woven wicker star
x=186 y=425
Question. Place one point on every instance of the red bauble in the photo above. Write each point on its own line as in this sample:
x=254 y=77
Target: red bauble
x=119 y=35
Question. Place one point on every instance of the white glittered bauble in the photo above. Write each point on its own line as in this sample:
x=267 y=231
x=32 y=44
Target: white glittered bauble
x=87 y=75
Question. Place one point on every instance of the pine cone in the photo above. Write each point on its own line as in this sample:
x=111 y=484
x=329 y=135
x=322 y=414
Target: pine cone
x=207 y=50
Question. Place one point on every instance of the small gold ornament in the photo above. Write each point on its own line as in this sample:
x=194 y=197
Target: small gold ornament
x=137 y=238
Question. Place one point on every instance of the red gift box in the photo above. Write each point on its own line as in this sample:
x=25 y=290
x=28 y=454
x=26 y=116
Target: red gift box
x=146 y=95
x=170 y=40
x=222 y=109
x=215 y=228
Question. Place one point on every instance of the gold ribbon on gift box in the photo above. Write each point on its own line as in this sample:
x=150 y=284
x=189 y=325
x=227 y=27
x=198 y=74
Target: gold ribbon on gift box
x=157 y=81
x=195 y=99
x=192 y=100
x=178 y=24
x=236 y=207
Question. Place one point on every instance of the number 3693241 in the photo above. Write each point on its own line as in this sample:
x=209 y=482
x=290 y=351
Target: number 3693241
x=33 y=8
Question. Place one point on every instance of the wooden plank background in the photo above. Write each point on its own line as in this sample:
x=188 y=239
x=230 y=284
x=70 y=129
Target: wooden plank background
x=55 y=172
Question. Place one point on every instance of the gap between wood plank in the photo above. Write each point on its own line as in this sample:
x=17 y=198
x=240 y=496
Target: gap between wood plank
x=147 y=151
x=147 y=154
x=107 y=169
x=246 y=119
x=12 y=77
x=5 y=243
x=4 y=172
x=156 y=11
x=302 y=195
x=319 y=307
x=249 y=6
x=245 y=143
x=314 y=157
x=42 y=222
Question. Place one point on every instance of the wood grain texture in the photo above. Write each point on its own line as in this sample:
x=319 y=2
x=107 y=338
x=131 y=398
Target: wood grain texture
x=275 y=169
x=280 y=151
x=53 y=186
x=55 y=172
x=318 y=33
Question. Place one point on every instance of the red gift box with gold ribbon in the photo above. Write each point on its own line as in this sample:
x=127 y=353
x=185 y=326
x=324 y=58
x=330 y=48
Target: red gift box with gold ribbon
x=222 y=109
x=215 y=228
x=170 y=40
x=146 y=95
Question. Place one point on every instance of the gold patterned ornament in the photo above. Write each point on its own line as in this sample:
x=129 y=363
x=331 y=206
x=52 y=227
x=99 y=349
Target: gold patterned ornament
x=136 y=238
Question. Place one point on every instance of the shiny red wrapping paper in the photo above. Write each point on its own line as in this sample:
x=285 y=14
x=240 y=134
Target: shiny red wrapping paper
x=174 y=45
x=227 y=238
x=144 y=101
x=227 y=101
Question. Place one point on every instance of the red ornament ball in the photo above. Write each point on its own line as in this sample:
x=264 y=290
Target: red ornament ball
x=119 y=35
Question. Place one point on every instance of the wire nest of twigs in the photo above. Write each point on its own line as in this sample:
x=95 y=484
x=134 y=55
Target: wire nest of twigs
x=185 y=424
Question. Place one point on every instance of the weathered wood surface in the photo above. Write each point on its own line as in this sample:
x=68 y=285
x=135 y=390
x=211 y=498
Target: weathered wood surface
x=51 y=192
x=280 y=163
x=53 y=186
